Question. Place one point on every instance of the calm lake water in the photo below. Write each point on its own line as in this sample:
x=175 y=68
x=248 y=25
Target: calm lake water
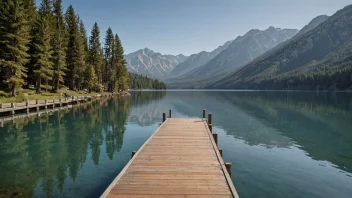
x=281 y=144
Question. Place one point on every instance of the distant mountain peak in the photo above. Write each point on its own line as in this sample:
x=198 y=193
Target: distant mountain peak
x=152 y=64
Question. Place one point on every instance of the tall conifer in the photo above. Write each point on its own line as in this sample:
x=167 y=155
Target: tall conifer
x=59 y=46
x=94 y=51
x=14 y=38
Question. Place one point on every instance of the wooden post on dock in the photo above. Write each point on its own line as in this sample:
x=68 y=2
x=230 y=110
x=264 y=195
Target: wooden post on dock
x=36 y=103
x=133 y=152
x=13 y=106
x=60 y=100
x=27 y=106
x=203 y=113
x=169 y=113
x=220 y=151
x=53 y=103
x=164 y=117
x=210 y=122
x=215 y=136
x=228 y=166
x=209 y=119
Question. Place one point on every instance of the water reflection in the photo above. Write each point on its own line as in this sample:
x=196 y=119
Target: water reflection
x=320 y=123
x=45 y=151
x=278 y=142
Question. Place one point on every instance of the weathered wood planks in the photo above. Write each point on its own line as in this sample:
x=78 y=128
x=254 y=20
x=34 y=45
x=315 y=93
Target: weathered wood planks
x=180 y=159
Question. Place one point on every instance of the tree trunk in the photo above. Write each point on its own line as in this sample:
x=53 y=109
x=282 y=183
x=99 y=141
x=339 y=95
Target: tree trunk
x=46 y=85
x=13 y=91
x=38 y=86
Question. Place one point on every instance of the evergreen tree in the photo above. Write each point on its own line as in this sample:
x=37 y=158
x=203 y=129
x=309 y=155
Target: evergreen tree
x=14 y=38
x=59 y=45
x=43 y=50
x=75 y=51
x=94 y=51
x=91 y=78
x=109 y=43
x=83 y=33
x=32 y=17
x=121 y=70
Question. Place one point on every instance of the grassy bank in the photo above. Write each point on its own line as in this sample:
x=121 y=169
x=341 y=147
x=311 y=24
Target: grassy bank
x=28 y=94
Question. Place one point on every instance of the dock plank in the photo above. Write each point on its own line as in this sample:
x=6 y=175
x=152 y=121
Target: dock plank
x=179 y=160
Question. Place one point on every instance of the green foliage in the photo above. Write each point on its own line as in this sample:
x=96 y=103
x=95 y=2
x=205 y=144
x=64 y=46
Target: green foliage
x=90 y=78
x=46 y=49
x=59 y=46
x=14 y=38
x=95 y=57
x=4 y=94
x=43 y=51
x=143 y=82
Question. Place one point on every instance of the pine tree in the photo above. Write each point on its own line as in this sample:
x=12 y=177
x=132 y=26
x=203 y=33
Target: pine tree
x=83 y=33
x=43 y=50
x=94 y=51
x=75 y=51
x=59 y=46
x=80 y=61
x=14 y=38
x=121 y=70
x=33 y=18
x=109 y=43
x=91 y=78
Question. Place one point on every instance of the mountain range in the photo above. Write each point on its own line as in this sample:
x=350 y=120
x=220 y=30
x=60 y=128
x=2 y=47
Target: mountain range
x=317 y=59
x=319 y=56
x=196 y=60
x=152 y=64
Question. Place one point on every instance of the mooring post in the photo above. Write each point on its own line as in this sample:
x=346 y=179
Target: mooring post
x=13 y=106
x=164 y=117
x=215 y=136
x=169 y=113
x=133 y=152
x=203 y=113
x=60 y=100
x=228 y=166
x=46 y=103
x=53 y=103
x=27 y=106
x=36 y=104
x=220 y=151
x=210 y=127
x=209 y=119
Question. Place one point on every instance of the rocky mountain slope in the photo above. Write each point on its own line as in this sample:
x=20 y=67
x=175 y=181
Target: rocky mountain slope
x=241 y=51
x=152 y=64
x=197 y=60
x=318 y=59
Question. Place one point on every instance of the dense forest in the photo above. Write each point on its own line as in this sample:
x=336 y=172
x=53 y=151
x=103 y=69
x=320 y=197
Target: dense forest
x=47 y=50
x=138 y=81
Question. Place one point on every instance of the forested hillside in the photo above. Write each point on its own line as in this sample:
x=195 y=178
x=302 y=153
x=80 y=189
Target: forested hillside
x=45 y=49
x=319 y=59
x=138 y=81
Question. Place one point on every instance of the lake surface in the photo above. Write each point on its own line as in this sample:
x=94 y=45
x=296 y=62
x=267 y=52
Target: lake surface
x=281 y=144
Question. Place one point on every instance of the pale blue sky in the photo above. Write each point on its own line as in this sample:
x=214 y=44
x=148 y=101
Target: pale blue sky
x=190 y=26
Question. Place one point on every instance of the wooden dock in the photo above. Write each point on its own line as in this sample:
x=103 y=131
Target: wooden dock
x=36 y=105
x=181 y=159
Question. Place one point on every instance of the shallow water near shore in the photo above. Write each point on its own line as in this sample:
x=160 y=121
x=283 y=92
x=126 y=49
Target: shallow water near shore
x=281 y=144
